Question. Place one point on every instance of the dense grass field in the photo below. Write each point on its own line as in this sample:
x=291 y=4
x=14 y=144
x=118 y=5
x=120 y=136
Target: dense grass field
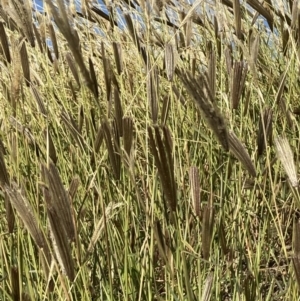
x=153 y=160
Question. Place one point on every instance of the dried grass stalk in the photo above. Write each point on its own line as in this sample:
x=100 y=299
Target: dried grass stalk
x=285 y=155
x=229 y=59
x=217 y=37
x=107 y=77
x=16 y=77
x=241 y=153
x=153 y=92
x=15 y=283
x=116 y=143
x=282 y=85
x=128 y=134
x=118 y=57
x=4 y=178
x=170 y=61
x=195 y=189
x=4 y=43
x=254 y=49
x=188 y=26
x=264 y=130
x=38 y=38
x=94 y=77
x=99 y=139
x=9 y=213
x=211 y=69
x=165 y=109
x=114 y=157
x=4 y=182
x=237 y=18
x=118 y=111
x=50 y=146
x=207 y=230
x=238 y=79
x=53 y=39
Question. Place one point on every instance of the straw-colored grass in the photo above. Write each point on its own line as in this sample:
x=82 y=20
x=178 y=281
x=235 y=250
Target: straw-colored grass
x=152 y=156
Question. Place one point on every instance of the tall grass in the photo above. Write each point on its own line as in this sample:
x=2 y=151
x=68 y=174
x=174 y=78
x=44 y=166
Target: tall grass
x=152 y=161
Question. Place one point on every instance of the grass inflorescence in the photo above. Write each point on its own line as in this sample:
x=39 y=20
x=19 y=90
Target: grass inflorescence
x=152 y=157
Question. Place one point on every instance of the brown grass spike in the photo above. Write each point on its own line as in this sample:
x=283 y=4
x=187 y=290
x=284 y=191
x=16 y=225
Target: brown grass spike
x=264 y=130
x=4 y=43
x=153 y=92
x=195 y=189
x=60 y=201
x=118 y=57
x=207 y=230
x=60 y=243
x=238 y=79
x=199 y=91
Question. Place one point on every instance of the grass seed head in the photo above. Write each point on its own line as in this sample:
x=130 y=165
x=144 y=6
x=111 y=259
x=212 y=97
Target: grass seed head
x=285 y=155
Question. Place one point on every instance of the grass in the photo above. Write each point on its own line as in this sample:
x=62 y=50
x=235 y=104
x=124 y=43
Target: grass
x=154 y=162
